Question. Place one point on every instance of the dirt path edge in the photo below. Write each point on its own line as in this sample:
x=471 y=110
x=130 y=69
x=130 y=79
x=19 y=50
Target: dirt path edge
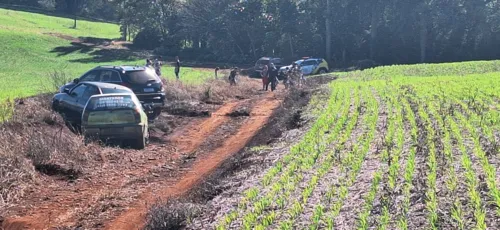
x=134 y=218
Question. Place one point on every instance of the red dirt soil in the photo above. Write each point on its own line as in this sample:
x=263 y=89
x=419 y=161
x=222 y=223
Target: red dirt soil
x=66 y=202
x=44 y=216
x=134 y=218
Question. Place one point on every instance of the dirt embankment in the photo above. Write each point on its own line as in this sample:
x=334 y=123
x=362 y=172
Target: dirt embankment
x=113 y=187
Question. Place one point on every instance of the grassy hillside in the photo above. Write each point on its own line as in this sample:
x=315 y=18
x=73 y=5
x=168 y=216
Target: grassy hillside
x=35 y=45
x=39 y=23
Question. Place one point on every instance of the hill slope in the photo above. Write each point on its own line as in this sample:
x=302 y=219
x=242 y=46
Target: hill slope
x=35 y=45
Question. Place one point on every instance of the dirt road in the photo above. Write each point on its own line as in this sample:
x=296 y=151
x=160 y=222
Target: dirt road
x=117 y=194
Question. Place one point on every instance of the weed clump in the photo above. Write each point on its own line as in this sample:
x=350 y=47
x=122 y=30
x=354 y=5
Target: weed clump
x=173 y=214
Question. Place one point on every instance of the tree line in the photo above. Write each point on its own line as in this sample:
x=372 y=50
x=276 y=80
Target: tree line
x=342 y=31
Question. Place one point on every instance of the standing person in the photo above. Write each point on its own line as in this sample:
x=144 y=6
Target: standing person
x=158 y=63
x=302 y=78
x=273 y=77
x=149 y=63
x=177 y=67
x=286 y=78
x=216 y=71
x=265 y=77
x=296 y=73
x=232 y=76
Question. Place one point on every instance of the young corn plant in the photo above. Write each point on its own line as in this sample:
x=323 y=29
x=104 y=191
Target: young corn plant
x=471 y=181
x=363 y=216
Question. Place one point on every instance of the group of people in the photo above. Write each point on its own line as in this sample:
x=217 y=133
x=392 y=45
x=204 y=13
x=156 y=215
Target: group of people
x=290 y=76
x=157 y=64
x=269 y=73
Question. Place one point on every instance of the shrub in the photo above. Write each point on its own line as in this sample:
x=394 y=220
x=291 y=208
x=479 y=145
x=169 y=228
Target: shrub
x=171 y=215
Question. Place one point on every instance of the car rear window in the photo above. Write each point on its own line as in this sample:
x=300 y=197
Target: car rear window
x=112 y=90
x=141 y=76
x=111 y=103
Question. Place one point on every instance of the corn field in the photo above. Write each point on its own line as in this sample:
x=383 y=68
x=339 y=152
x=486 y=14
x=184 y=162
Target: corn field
x=396 y=152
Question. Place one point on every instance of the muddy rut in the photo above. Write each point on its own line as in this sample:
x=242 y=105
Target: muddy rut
x=68 y=201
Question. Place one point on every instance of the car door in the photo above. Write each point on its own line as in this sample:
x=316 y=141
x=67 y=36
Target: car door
x=71 y=102
x=110 y=76
x=90 y=91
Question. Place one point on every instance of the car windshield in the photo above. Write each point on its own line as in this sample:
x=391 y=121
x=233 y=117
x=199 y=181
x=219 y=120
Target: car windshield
x=309 y=62
x=111 y=103
x=113 y=90
x=141 y=76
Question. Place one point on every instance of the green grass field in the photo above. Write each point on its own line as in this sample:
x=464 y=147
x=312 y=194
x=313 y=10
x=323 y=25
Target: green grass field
x=29 y=54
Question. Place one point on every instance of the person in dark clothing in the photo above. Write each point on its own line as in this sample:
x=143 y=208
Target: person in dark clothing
x=157 y=65
x=265 y=77
x=177 y=67
x=273 y=77
x=232 y=76
x=149 y=63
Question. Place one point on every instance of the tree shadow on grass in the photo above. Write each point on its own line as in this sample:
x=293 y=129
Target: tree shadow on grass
x=98 y=50
x=108 y=55
x=73 y=48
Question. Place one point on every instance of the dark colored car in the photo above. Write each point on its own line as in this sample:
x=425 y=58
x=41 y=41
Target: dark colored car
x=71 y=102
x=259 y=65
x=143 y=81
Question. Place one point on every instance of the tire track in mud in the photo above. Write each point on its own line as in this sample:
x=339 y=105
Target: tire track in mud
x=134 y=218
x=68 y=201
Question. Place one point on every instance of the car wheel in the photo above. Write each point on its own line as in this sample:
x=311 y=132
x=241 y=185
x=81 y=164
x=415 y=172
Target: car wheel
x=323 y=71
x=55 y=106
x=140 y=143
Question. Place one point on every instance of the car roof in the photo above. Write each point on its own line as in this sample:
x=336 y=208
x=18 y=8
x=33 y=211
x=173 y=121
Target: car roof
x=106 y=85
x=125 y=68
x=113 y=95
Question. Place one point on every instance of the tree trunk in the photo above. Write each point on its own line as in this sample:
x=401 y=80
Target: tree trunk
x=252 y=43
x=74 y=25
x=236 y=43
x=328 y=35
x=373 y=29
x=291 y=45
x=423 y=37
x=344 y=61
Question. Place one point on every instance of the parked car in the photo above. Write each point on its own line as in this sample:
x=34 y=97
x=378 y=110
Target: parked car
x=71 y=102
x=259 y=65
x=143 y=81
x=309 y=66
x=116 y=117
